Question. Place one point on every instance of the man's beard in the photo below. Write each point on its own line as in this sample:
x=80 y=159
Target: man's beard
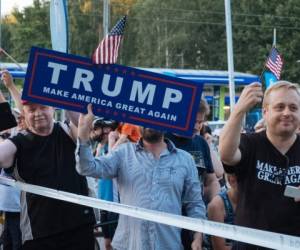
x=152 y=136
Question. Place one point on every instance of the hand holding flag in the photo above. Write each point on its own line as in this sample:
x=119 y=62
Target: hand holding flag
x=107 y=50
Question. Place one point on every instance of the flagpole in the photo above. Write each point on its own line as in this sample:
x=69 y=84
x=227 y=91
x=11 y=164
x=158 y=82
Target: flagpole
x=105 y=17
x=262 y=75
x=274 y=37
x=11 y=58
x=263 y=71
x=230 y=54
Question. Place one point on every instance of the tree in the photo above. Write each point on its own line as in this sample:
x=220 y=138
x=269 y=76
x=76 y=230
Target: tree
x=85 y=31
x=170 y=33
x=31 y=29
x=192 y=34
x=253 y=35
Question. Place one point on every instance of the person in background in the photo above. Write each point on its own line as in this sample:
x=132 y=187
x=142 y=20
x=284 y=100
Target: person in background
x=222 y=209
x=206 y=132
x=7 y=119
x=107 y=188
x=10 y=196
x=10 y=205
x=125 y=132
x=201 y=117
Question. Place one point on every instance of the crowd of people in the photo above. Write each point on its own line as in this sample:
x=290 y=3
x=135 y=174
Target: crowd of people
x=150 y=169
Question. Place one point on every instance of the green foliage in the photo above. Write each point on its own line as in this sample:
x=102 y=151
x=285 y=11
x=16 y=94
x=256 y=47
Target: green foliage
x=85 y=26
x=171 y=33
x=31 y=29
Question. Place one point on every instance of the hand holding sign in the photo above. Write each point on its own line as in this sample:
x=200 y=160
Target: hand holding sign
x=85 y=124
x=6 y=78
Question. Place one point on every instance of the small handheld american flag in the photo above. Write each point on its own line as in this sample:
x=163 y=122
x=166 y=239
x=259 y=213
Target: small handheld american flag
x=107 y=50
x=274 y=62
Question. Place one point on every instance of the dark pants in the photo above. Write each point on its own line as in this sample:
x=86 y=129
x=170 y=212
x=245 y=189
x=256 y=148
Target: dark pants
x=12 y=233
x=77 y=239
x=110 y=228
x=244 y=246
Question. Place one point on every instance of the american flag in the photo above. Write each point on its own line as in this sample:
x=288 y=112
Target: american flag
x=107 y=50
x=274 y=62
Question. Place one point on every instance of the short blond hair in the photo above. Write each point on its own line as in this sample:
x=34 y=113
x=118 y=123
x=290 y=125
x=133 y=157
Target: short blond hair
x=279 y=85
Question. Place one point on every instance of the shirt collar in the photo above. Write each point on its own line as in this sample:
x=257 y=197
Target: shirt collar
x=170 y=145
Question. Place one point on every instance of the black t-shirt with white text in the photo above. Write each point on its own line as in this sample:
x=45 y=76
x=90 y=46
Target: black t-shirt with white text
x=263 y=173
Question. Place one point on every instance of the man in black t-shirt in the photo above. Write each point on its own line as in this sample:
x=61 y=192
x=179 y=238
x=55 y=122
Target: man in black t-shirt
x=45 y=156
x=266 y=162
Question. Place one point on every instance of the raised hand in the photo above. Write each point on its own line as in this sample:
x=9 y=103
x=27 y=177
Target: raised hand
x=85 y=124
x=250 y=96
x=6 y=78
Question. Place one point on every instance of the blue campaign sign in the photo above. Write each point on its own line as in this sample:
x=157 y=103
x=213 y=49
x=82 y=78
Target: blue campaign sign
x=117 y=92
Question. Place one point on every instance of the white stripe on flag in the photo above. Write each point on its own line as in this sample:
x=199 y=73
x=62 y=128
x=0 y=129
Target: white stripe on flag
x=106 y=52
x=111 y=49
x=102 y=51
x=97 y=55
x=118 y=39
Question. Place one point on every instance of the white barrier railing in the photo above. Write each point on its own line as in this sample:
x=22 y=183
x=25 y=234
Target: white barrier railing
x=237 y=233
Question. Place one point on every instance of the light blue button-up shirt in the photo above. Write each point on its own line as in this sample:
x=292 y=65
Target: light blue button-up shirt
x=165 y=184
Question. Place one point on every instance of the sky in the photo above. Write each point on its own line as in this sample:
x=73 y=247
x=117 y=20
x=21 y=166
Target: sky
x=7 y=5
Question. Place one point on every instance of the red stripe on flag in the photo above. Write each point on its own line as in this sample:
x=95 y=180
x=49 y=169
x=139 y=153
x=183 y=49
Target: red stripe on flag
x=107 y=51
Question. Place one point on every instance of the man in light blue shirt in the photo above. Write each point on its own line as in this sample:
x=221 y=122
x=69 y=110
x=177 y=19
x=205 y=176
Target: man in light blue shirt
x=151 y=174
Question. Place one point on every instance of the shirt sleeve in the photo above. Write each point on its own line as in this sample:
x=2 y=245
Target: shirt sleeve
x=229 y=169
x=7 y=120
x=97 y=167
x=19 y=140
x=246 y=155
x=192 y=199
